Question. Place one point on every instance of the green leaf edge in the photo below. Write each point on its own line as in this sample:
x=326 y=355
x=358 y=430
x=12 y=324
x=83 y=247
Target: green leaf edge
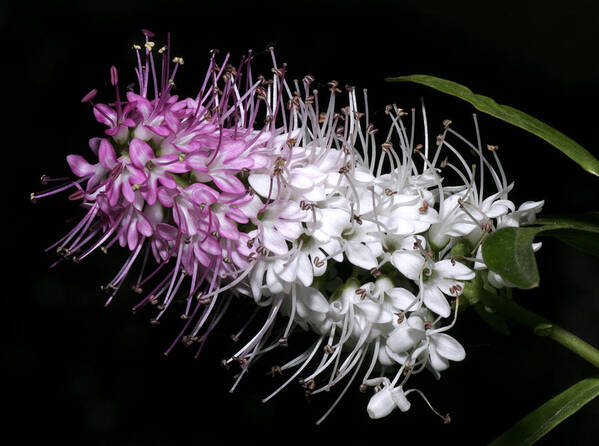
x=539 y=422
x=565 y=144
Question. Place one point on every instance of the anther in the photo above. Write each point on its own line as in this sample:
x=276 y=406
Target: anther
x=328 y=349
x=389 y=192
x=455 y=289
x=423 y=208
x=439 y=139
x=283 y=342
x=89 y=96
x=318 y=263
x=114 y=77
x=154 y=321
x=309 y=384
x=178 y=60
x=428 y=325
x=444 y=163
x=363 y=388
x=278 y=166
x=345 y=169
x=446 y=123
x=361 y=292
x=275 y=369
x=492 y=148
x=136 y=289
x=400 y=316
x=149 y=45
x=417 y=148
x=306 y=205
x=375 y=272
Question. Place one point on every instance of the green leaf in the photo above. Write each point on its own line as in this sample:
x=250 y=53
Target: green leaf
x=535 y=425
x=509 y=114
x=508 y=251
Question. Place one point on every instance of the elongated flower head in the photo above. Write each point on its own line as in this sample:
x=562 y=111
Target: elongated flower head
x=267 y=191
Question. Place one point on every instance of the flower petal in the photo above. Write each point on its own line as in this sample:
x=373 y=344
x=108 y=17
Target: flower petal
x=80 y=166
x=273 y=241
x=400 y=298
x=140 y=152
x=435 y=300
x=359 y=255
x=409 y=263
x=437 y=362
x=404 y=338
x=448 y=347
x=453 y=270
x=228 y=183
x=374 y=312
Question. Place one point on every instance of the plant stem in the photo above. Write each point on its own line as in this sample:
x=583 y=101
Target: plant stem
x=538 y=324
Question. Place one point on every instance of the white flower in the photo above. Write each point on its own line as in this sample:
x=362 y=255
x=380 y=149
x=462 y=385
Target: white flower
x=383 y=402
x=418 y=335
x=434 y=278
x=279 y=222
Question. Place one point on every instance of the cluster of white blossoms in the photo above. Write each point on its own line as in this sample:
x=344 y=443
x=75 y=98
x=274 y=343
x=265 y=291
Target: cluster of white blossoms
x=353 y=240
x=317 y=217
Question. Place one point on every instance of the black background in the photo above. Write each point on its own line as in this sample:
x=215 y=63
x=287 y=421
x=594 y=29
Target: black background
x=80 y=372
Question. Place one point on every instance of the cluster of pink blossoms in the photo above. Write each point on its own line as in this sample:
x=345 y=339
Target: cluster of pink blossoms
x=252 y=189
